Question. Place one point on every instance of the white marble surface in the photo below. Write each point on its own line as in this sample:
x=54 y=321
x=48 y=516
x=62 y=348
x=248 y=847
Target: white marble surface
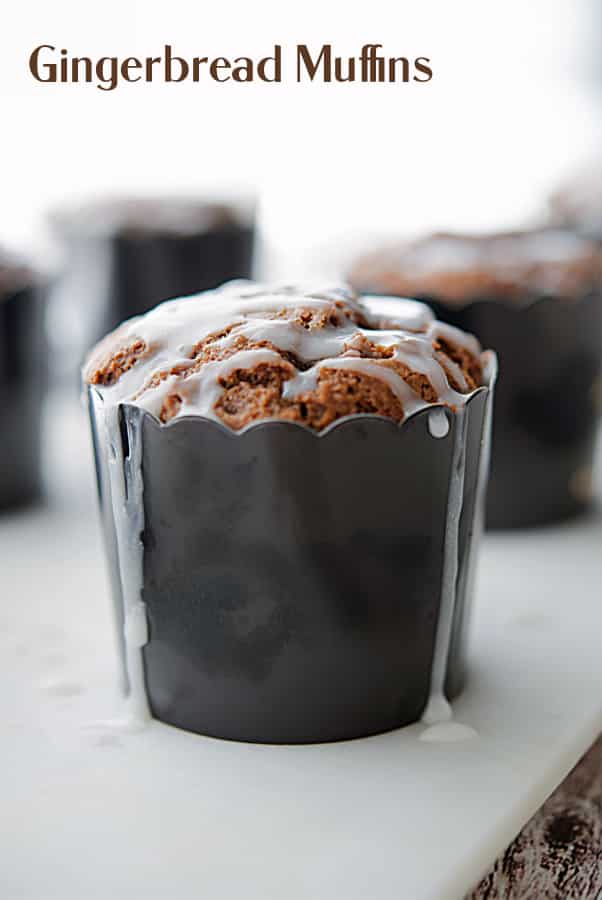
x=90 y=810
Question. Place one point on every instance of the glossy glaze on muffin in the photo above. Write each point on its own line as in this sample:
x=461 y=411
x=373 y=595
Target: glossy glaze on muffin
x=247 y=352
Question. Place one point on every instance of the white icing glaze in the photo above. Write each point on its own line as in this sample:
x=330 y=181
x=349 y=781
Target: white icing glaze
x=304 y=381
x=438 y=712
x=125 y=484
x=438 y=708
x=202 y=389
x=462 y=253
x=447 y=733
x=410 y=313
x=443 y=253
x=438 y=424
x=172 y=329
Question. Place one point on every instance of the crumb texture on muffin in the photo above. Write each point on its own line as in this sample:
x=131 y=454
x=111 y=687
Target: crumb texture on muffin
x=458 y=268
x=248 y=352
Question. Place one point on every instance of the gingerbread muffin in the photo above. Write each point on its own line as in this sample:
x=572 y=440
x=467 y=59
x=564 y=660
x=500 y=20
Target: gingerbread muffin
x=456 y=269
x=536 y=298
x=22 y=380
x=245 y=353
x=290 y=483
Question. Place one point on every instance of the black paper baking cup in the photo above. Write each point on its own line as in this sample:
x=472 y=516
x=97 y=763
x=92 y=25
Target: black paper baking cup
x=23 y=365
x=126 y=273
x=547 y=403
x=292 y=580
x=148 y=269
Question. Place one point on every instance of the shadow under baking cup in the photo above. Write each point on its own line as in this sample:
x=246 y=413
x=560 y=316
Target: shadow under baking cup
x=23 y=367
x=547 y=403
x=293 y=581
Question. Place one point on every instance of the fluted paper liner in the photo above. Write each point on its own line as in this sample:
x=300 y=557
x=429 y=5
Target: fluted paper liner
x=547 y=404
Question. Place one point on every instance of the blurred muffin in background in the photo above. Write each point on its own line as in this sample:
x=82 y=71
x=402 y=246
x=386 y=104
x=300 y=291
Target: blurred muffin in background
x=22 y=380
x=123 y=255
x=577 y=204
x=535 y=297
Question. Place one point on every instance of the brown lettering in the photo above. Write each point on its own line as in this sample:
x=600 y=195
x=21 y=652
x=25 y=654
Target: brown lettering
x=170 y=59
x=425 y=70
x=304 y=60
x=37 y=69
x=216 y=64
x=130 y=63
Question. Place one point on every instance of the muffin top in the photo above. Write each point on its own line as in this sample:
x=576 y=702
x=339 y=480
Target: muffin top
x=147 y=216
x=247 y=352
x=457 y=268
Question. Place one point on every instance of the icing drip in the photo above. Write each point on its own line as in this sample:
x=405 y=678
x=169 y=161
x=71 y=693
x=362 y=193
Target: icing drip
x=126 y=487
x=201 y=390
x=438 y=712
x=438 y=708
x=438 y=424
x=448 y=733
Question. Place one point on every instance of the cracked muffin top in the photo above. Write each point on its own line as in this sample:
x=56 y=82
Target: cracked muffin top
x=457 y=268
x=248 y=352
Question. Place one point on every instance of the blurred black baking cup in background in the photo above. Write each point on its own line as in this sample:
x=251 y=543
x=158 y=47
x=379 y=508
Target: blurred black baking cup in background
x=126 y=254
x=22 y=381
x=549 y=346
x=547 y=404
x=285 y=586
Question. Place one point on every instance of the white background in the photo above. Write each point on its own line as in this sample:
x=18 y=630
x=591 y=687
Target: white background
x=511 y=109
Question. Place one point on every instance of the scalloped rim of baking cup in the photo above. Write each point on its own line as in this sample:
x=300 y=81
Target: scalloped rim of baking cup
x=282 y=585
